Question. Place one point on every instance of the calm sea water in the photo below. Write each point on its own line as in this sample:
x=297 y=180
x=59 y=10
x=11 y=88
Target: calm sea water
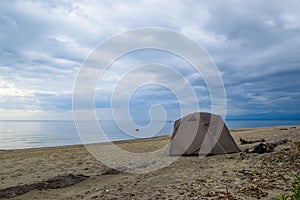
x=32 y=134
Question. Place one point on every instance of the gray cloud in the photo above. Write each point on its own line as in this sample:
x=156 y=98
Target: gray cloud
x=254 y=44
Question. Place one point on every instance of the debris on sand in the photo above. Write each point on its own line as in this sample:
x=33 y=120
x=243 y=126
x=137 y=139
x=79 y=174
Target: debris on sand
x=111 y=171
x=264 y=147
x=59 y=181
x=285 y=129
x=243 y=141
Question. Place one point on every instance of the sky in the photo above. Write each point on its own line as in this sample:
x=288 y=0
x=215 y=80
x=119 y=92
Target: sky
x=254 y=44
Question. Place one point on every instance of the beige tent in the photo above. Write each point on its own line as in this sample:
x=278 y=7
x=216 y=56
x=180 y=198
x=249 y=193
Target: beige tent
x=201 y=133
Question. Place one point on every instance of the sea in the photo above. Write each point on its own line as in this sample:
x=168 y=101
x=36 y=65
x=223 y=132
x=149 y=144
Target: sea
x=35 y=134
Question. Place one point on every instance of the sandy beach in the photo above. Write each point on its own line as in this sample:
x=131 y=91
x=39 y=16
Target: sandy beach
x=253 y=176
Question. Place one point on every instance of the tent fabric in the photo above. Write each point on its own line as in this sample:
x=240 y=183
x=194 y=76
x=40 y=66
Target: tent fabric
x=201 y=133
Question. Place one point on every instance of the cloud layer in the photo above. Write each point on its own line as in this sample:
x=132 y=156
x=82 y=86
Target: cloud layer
x=254 y=44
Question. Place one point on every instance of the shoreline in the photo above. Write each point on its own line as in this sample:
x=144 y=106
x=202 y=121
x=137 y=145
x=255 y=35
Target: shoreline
x=82 y=145
x=234 y=130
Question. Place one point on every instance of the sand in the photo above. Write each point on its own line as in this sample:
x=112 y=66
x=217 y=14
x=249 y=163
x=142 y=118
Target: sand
x=256 y=176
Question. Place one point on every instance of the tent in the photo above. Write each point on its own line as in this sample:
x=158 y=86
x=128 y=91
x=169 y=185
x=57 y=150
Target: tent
x=201 y=133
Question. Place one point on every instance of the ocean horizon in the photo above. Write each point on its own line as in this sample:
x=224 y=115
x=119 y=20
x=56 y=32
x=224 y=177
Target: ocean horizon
x=22 y=134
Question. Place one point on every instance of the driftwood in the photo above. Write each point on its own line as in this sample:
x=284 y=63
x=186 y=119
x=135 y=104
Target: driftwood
x=280 y=142
x=111 y=171
x=60 y=181
x=263 y=148
x=285 y=129
x=243 y=141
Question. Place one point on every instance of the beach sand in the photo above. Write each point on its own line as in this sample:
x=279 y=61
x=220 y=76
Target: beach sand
x=190 y=177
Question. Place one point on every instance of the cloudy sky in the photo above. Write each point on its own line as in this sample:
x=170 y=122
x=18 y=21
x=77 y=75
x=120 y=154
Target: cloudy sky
x=254 y=44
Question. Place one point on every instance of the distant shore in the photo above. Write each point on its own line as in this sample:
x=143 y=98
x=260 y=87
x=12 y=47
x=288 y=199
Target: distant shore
x=252 y=177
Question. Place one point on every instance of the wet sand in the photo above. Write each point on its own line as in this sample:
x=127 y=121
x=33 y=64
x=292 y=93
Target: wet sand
x=255 y=176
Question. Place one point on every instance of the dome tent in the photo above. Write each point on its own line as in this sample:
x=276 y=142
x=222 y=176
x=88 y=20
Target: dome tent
x=201 y=133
